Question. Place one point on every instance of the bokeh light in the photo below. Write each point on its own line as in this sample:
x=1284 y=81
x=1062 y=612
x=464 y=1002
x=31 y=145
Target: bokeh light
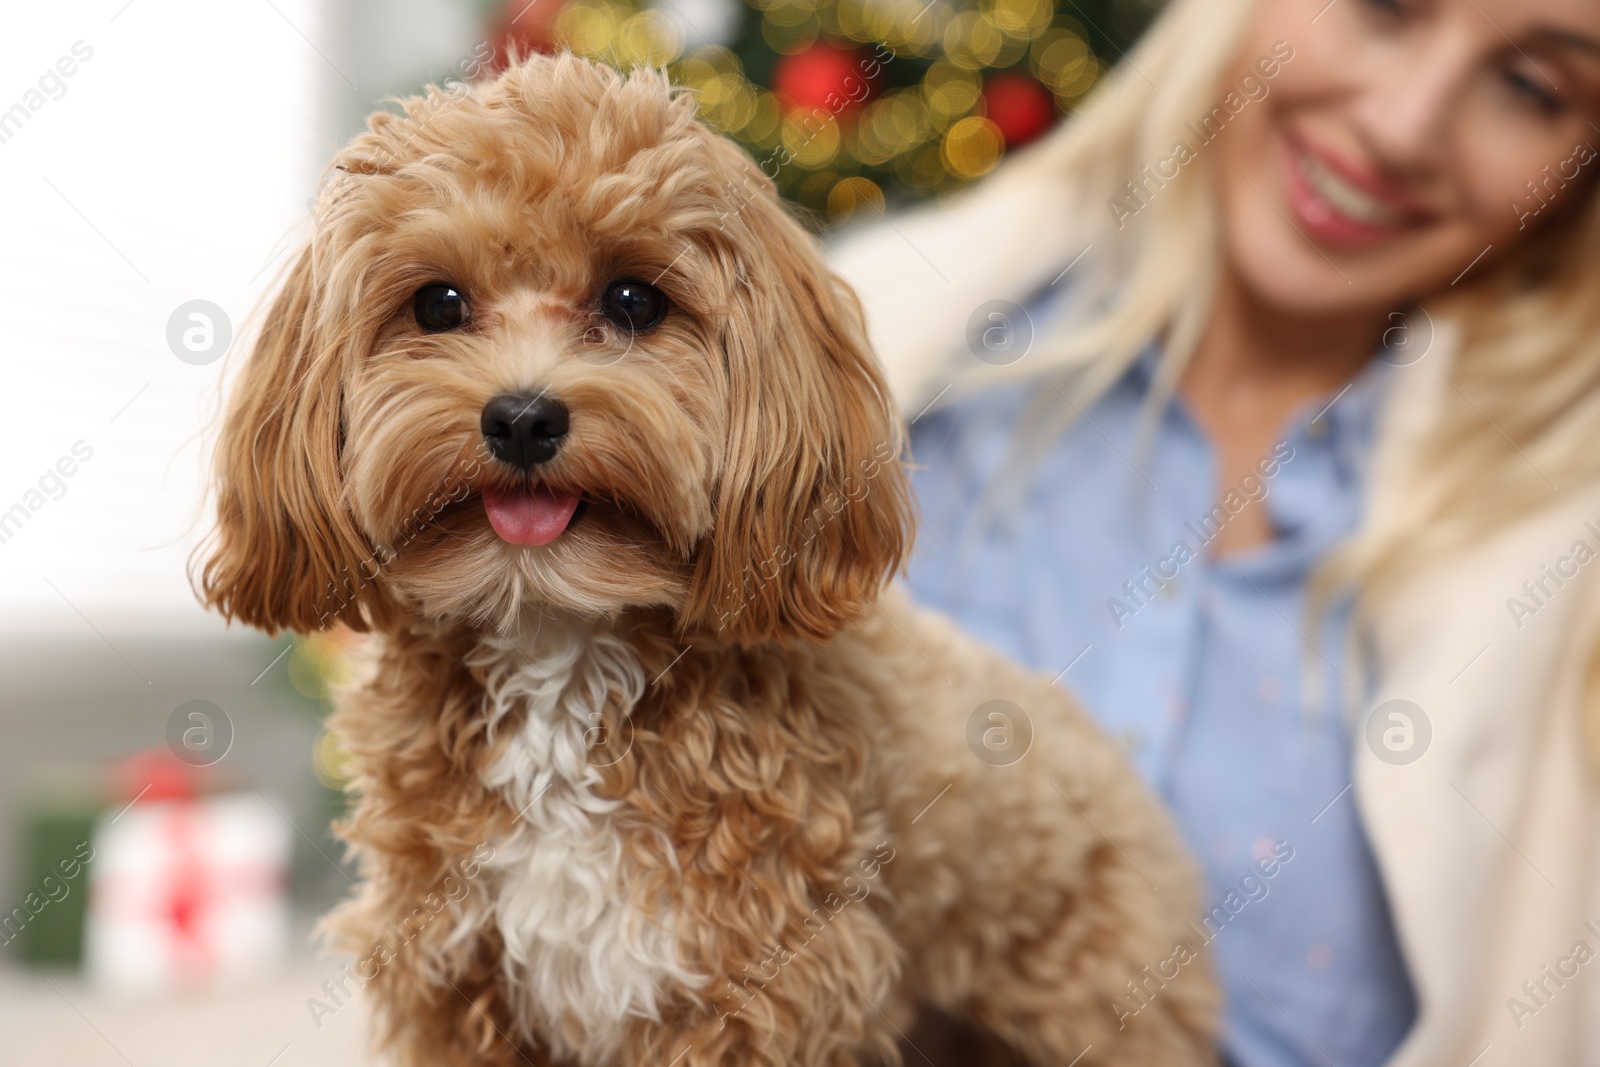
x=972 y=147
x=851 y=102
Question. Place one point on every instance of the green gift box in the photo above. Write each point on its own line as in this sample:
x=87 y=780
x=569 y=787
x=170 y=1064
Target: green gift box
x=45 y=920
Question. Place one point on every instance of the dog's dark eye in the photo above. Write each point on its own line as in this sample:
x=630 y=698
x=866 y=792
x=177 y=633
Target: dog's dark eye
x=633 y=304
x=439 y=307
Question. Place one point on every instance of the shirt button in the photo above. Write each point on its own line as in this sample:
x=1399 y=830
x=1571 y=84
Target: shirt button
x=1168 y=590
x=1131 y=740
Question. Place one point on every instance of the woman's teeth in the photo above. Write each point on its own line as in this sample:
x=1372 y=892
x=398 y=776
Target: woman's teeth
x=1346 y=198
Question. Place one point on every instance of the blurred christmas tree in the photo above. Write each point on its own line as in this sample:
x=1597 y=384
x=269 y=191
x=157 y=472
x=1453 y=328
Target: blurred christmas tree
x=849 y=103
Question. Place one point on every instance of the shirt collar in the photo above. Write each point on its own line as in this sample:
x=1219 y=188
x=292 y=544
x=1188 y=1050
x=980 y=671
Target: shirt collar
x=1345 y=417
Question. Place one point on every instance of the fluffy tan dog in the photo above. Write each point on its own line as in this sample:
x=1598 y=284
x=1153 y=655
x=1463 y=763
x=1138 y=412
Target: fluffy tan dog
x=562 y=407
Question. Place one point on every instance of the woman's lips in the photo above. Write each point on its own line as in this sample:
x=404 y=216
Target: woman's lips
x=1332 y=207
x=535 y=517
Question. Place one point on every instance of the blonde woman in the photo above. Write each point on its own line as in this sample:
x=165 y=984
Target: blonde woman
x=1261 y=405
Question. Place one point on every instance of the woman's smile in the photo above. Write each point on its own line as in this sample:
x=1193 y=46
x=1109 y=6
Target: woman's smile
x=1336 y=202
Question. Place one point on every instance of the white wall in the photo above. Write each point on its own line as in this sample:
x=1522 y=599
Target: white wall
x=174 y=165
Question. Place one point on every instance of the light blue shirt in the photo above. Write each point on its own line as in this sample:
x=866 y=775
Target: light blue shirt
x=1198 y=676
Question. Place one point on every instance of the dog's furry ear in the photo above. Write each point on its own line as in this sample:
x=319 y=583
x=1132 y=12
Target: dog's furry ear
x=812 y=513
x=287 y=554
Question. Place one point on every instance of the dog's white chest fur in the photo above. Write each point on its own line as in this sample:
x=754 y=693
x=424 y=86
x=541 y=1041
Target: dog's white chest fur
x=582 y=956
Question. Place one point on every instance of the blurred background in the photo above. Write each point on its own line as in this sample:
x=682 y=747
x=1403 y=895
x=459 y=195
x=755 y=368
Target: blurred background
x=165 y=782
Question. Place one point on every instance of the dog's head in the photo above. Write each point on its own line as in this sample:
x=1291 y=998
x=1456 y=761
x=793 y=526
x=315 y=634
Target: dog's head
x=554 y=343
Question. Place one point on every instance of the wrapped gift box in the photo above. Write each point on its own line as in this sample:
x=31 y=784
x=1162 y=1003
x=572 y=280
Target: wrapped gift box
x=45 y=924
x=188 y=890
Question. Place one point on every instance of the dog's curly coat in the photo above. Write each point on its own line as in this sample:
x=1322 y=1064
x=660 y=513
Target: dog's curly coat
x=712 y=781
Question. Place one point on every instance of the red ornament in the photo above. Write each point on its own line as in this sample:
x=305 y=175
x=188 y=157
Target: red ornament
x=520 y=28
x=824 y=76
x=1020 y=106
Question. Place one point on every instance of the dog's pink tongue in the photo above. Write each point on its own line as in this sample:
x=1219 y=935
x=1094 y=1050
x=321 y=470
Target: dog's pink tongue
x=535 y=518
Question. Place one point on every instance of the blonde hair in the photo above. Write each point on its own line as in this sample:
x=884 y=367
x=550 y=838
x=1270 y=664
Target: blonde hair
x=1522 y=404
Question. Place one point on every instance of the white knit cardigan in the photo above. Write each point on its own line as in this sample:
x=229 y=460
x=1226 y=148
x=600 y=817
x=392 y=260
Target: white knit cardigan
x=1489 y=843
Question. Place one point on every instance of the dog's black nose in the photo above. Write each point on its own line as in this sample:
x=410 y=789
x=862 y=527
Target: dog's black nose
x=523 y=430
